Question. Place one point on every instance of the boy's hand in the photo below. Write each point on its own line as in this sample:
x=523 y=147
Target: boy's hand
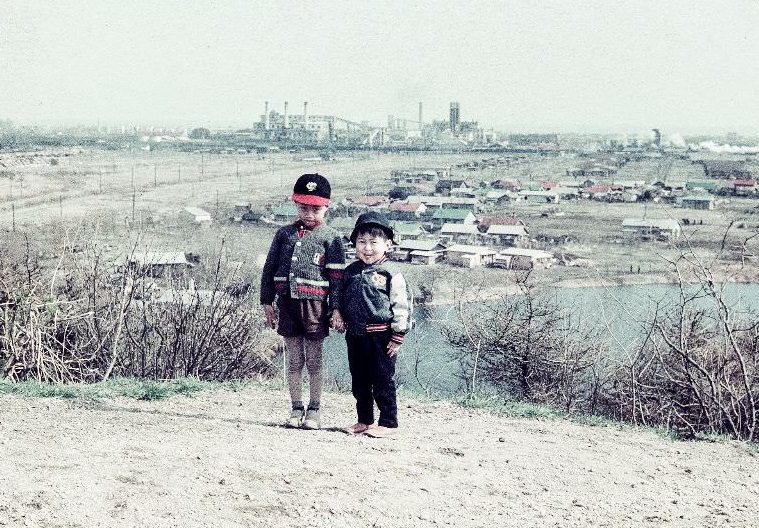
x=392 y=348
x=336 y=322
x=271 y=317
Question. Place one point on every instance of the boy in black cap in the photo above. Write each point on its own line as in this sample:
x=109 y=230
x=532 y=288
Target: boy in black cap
x=303 y=271
x=376 y=307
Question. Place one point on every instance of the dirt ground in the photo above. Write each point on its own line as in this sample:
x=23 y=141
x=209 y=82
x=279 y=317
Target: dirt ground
x=223 y=459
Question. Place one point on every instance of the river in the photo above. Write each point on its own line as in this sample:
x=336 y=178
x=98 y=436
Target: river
x=426 y=364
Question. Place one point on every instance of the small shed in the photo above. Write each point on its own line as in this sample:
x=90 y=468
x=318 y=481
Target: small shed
x=506 y=235
x=419 y=251
x=460 y=234
x=697 y=202
x=521 y=258
x=285 y=213
x=197 y=216
x=453 y=216
x=160 y=263
x=469 y=256
x=648 y=228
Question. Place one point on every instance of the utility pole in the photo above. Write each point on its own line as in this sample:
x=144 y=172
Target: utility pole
x=13 y=216
x=155 y=175
x=179 y=168
x=134 y=197
x=100 y=182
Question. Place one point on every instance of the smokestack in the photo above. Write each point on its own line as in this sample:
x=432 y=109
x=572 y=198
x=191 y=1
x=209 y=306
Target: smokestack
x=305 y=114
x=266 y=115
x=287 y=120
x=420 y=115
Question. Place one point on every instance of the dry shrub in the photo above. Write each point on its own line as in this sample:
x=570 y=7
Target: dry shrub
x=80 y=320
x=527 y=347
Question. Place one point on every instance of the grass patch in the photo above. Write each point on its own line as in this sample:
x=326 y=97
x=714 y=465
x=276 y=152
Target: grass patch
x=146 y=390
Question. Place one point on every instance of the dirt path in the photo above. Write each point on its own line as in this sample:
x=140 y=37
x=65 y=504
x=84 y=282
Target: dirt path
x=223 y=459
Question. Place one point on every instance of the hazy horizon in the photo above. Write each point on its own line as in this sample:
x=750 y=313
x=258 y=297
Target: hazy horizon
x=583 y=67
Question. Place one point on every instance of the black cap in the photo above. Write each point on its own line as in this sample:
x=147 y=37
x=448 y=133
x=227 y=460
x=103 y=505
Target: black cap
x=372 y=218
x=312 y=189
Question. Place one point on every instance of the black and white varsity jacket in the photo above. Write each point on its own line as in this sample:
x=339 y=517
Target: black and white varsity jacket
x=304 y=264
x=375 y=298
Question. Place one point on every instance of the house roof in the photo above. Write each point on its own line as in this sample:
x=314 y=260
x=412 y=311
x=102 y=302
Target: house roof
x=407 y=228
x=408 y=207
x=524 y=252
x=158 y=258
x=452 y=214
x=500 y=229
x=421 y=245
x=286 y=209
x=460 y=229
x=197 y=211
x=475 y=250
x=744 y=183
x=657 y=223
x=598 y=188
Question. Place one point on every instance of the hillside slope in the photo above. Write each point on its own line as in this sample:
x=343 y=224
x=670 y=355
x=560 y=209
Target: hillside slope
x=222 y=459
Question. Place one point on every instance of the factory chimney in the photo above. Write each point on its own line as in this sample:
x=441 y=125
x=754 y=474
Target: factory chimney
x=305 y=114
x=287 y=120
x=266 y=115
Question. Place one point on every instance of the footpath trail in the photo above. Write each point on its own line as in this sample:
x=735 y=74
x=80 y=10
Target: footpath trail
x=222 y=458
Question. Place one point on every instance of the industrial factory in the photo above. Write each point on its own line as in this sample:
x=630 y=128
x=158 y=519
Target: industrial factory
x=313 y=130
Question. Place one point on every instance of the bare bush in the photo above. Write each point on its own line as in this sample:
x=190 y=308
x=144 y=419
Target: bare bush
x=698 y=368
x=527 y=347
x=80 y=320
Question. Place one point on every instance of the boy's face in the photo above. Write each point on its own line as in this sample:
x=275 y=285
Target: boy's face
x=311 y=215
x=371 y=248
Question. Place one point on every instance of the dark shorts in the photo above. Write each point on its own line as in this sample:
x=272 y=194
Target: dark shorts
x=302 y=317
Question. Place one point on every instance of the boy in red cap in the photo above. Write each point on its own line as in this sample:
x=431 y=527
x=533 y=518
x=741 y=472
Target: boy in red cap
x=304 y=271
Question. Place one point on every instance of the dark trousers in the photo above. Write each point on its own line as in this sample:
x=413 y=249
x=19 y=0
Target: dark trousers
x=372 y=372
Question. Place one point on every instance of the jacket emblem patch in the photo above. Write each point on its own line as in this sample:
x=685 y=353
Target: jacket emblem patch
x=319 y=259
x=379 y=280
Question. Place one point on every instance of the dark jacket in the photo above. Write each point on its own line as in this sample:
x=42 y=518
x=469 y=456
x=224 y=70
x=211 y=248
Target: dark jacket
x=375 y=298
x=307 y=267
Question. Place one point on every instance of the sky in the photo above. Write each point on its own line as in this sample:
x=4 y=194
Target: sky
x=514 y=66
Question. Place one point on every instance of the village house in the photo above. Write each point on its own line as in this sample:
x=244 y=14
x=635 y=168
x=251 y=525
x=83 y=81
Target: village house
x=497 y=198
x=197 y=216
x=444 y=186
x=418 y=251
x=506 y=235
x=652 y=228
x=452 y=216
x=161 y=263
x=459 y=234
x=406 y=210
x=697 y=202
x=743 y=187
x=507 y=185
x=523 y=259
x=469 y=256
x=285 y=213
x=408 y=231
x=598 y=191
x=485 y=221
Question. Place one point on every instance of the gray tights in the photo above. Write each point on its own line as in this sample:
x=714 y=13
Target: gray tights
x=308 y=352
